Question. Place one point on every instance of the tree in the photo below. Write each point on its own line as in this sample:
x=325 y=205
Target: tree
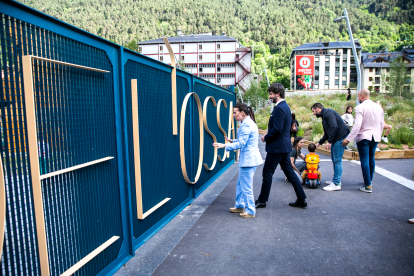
x=255 y=95
x=398 y=77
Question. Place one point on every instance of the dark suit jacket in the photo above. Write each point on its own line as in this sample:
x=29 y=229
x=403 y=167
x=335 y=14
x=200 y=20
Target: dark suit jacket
x=278 y=130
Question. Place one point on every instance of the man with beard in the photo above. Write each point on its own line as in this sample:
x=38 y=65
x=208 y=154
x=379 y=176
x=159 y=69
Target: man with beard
x=335 y=131
x=278 y=148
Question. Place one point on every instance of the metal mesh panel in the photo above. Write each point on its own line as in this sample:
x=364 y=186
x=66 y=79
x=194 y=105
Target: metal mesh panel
x=76 y=124
x=159 y=149
x=204 y=91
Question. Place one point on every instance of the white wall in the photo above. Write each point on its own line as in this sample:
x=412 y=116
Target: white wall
x=227 y=46
x=189 y=47
x=207 y=58
x=149 y=49
x=190 y=58
x=208 y=47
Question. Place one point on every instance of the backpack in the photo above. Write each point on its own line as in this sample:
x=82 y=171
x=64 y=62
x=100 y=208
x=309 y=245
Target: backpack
x=312 y=161
x=294 y=127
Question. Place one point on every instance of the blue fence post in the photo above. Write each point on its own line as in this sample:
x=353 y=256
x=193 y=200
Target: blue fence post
x=124 y=181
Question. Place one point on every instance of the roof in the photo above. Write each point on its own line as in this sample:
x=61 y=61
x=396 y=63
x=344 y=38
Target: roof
x=330 y=45
x=325 y=45
x=190 y=38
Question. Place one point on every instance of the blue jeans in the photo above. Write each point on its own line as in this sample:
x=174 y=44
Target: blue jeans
x=366 y=150
x=337 y=151
x=244 y=190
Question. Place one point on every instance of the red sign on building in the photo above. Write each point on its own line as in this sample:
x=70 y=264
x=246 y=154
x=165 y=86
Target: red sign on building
x=305 y=67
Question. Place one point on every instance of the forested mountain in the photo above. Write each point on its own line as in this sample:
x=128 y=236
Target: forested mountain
x=280 y=23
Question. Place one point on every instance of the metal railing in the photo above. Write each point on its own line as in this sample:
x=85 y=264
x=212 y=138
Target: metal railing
x=92 y=166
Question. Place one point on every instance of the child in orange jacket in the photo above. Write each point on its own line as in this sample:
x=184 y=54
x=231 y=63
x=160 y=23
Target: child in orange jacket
x=312 y=161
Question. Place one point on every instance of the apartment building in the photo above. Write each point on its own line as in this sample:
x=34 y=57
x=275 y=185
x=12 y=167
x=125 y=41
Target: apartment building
x=375 y=67
x=219 y=59
x=331 y=65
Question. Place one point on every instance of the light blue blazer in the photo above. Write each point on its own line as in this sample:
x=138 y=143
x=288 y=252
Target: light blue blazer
x=247 y=142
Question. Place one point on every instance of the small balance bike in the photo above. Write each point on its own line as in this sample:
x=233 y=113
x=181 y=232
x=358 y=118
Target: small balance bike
x=312 y=180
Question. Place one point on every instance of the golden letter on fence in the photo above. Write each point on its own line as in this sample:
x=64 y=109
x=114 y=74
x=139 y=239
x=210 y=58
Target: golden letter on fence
x=2 y=205
x=209 y=132
x=173 y=85
x=221 y=128
x=182 y=125
x=231 y=124
x=137 y=157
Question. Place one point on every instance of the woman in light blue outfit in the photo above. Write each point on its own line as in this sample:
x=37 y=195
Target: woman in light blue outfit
x=250 y=158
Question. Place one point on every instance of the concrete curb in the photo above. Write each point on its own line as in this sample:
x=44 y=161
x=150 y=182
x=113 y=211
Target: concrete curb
x=352 y=155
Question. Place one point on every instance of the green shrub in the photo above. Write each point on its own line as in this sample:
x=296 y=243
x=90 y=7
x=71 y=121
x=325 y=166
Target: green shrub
x=301 y=131
x=402 y=135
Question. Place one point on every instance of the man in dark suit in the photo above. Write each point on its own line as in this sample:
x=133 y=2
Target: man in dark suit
x=278 y=148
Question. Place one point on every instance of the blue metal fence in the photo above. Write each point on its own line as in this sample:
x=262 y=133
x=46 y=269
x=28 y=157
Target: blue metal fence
x=82 y=116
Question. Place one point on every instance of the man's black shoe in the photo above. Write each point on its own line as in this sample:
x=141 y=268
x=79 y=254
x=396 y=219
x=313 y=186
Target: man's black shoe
x=298 y=204
x=260 y=204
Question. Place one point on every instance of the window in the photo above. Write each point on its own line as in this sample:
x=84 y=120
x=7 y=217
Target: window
x=370 y=78
x=316 y=59
x=140 y=50
x=327 y=68
x=344 y=69
x=337 y=77
x=337 y=60
x=327 y=59
x=200 y=57
x=370 y=88
x=161 y=48
x=210 y=76
x=200 y=69
x=225 y=75
x=336 y=69
x=218 y=46
x=211 y=65
x=344 y=78
x=327 y=78
x=317 y=78
x=316 y=86
x=386 y=70
x=218 y=69
x=370 y=70
x=190 y=65
x=337 y=52
x=200 y=46
x=316 y=68
x=227 y=65
x=182 y=58
x=218 y=56
x=182 y=47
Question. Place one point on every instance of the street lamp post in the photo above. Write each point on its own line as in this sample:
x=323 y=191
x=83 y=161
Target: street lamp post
x=353 y=51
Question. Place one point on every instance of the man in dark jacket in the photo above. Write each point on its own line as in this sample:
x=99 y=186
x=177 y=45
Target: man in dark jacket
x=335 y=131
x=278 y=148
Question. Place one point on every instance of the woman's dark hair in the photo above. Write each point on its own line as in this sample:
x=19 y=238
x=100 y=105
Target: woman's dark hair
x=295 y=144
x=293 y=116
x=248 y=110
x=349 y=106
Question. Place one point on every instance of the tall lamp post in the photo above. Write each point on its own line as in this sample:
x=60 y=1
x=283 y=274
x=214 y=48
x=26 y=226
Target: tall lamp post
x=353 y=50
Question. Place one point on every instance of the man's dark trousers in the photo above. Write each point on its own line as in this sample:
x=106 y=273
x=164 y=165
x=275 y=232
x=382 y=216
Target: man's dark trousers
x=270 y=165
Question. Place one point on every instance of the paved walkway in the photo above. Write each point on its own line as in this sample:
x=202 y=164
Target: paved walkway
x=340 y=233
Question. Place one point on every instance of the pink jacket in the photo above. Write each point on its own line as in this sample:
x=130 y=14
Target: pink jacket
x=369 y=122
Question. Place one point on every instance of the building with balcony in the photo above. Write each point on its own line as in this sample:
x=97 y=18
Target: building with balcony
x=334 y=64
x=375 y=67
x=219 y=59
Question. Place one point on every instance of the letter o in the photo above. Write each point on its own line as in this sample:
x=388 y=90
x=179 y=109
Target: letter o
x=182 y=125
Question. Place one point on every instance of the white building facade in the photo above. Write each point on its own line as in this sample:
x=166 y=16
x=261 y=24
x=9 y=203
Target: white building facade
x=335 y=66
x=219 y=59
x=375 y=69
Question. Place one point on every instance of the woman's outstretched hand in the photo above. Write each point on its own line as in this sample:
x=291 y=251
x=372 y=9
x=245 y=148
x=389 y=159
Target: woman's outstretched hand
x=219 y=145
x=228 y=140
